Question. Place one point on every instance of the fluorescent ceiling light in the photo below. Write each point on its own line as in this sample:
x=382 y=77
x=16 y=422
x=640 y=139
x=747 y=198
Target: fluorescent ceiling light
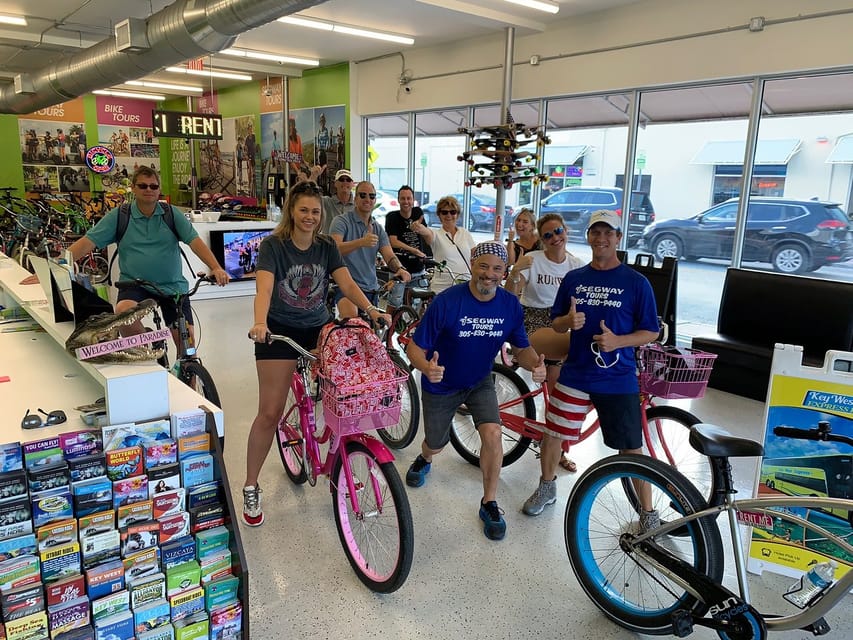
x=129 y=94
x=209 y=73
x=305 y=22
x=164 y=85
x=272 y=57
x=346 y=30
x=21 y=22
x=541 y=5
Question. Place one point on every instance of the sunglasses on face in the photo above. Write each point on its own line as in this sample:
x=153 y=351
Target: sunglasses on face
x=556 y=232
x=344 y=179
x=363 y=195
x=447 y=212
x=145 y=185
x=34 y=421
x=599 y=359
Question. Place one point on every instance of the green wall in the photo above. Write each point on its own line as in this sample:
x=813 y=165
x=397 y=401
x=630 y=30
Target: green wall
x=316 y=88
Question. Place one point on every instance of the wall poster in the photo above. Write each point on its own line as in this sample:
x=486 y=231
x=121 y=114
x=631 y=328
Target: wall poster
x=800 y=397
x=53 y=148
x=124 y=126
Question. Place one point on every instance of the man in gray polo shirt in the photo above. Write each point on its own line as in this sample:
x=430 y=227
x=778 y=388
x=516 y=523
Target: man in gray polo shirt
x=359 y=237
x=341 y=202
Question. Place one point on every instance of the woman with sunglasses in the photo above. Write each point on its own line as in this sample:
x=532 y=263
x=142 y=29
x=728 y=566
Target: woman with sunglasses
x=451 y=245
x=294 y=266
x=527 y=238
x=535 y=278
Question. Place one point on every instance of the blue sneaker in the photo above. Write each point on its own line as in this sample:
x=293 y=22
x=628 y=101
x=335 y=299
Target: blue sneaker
x=417 y=473
x=492 y=515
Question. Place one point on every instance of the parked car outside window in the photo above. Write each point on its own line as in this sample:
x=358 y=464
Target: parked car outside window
x=576 y=204
x=794 y=236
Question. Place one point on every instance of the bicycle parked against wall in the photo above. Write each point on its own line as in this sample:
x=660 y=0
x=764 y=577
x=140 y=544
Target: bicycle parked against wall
x=372 y=512
x=188 y=367
x=675 y=581
x=664 y=373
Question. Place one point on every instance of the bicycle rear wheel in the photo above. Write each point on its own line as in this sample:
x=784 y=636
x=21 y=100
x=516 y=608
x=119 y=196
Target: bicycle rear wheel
x=400 y=436
x=291 y=443
x=669 y=429
x=464 y=435
x=600 y=525
x=379 y=539
x=196 y=376
x=96 y=267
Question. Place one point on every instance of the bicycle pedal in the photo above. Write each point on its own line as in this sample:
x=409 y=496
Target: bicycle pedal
x=293 y=443
x=682 y=623
x=819 y=627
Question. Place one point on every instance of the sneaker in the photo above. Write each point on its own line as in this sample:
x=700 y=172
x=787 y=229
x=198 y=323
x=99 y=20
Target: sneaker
x=649 y=521
x=252 y=513
x=545 y=494
x=417 y=473
x=492 y=515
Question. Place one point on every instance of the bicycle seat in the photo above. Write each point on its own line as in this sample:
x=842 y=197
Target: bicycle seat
x=714 y=442
x=422 y=294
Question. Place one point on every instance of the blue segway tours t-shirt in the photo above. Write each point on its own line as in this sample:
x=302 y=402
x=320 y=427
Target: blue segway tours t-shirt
x=625 y=301
x=467 y=334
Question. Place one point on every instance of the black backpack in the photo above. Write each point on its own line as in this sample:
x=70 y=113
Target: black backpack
x=122 y=222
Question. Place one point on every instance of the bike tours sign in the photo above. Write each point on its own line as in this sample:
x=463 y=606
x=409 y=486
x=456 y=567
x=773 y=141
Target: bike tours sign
x=801 y=397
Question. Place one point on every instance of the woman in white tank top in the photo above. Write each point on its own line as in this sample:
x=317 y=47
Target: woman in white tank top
x=535 y=278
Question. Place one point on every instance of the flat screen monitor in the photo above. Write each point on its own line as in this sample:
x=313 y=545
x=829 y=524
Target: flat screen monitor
x=237 y=250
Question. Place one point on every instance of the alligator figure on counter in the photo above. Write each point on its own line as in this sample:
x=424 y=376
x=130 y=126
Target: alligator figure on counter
x=104 y=328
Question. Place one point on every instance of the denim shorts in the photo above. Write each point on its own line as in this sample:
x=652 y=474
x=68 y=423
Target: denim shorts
x=439 y=410
x=418 y=281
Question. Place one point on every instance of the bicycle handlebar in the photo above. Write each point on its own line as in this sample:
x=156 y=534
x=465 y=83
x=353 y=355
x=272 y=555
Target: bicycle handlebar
x=141 y=282
x=273 y=337
x=821 y=433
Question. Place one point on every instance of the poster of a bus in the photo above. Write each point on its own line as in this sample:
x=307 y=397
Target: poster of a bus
x=804 y=468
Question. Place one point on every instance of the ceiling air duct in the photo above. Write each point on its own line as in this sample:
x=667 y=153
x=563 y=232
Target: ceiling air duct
x=184 y=30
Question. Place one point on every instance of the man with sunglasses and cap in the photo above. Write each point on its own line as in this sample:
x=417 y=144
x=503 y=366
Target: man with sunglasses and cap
x=150 y=250
x=454 y=347
x=359 y=238
x=342 y=202
x=610 y=309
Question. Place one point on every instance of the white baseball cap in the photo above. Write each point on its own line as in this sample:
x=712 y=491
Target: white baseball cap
x=609 y=218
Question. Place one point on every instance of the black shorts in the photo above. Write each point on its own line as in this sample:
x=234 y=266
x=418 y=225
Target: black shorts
x=305 y=338
x=166 y=304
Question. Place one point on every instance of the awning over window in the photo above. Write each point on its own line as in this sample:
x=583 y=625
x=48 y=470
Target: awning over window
x=843 y=151
x=568 y=154
x=731 y=152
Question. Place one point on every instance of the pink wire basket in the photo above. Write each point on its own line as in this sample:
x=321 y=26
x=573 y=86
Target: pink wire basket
x=673 y=373
x=362 y=407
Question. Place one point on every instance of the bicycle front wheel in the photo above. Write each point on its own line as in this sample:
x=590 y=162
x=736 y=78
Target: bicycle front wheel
x=378 y=539
x=196 y=376
x=600 y=525
x=400 y=436
x=403 y=324
x=291 y=442
x=464 y=435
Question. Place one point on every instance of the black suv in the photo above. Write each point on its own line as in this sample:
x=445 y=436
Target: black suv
x=794 y=236
x=576 y=204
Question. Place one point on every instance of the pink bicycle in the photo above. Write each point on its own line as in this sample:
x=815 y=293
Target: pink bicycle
x=372 y=511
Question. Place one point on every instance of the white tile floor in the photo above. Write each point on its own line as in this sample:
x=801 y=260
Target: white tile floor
x=461 y=585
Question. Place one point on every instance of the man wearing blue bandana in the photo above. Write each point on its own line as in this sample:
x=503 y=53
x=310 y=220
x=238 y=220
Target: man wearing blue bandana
x=454 y=347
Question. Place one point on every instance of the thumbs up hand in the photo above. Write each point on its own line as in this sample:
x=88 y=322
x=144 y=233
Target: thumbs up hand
x=369 y=239
x=606 y=340
x=577 y=319
x=540 y=370
x=434 y=372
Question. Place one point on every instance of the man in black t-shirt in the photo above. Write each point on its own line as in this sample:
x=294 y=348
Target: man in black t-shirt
x=406 y=232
